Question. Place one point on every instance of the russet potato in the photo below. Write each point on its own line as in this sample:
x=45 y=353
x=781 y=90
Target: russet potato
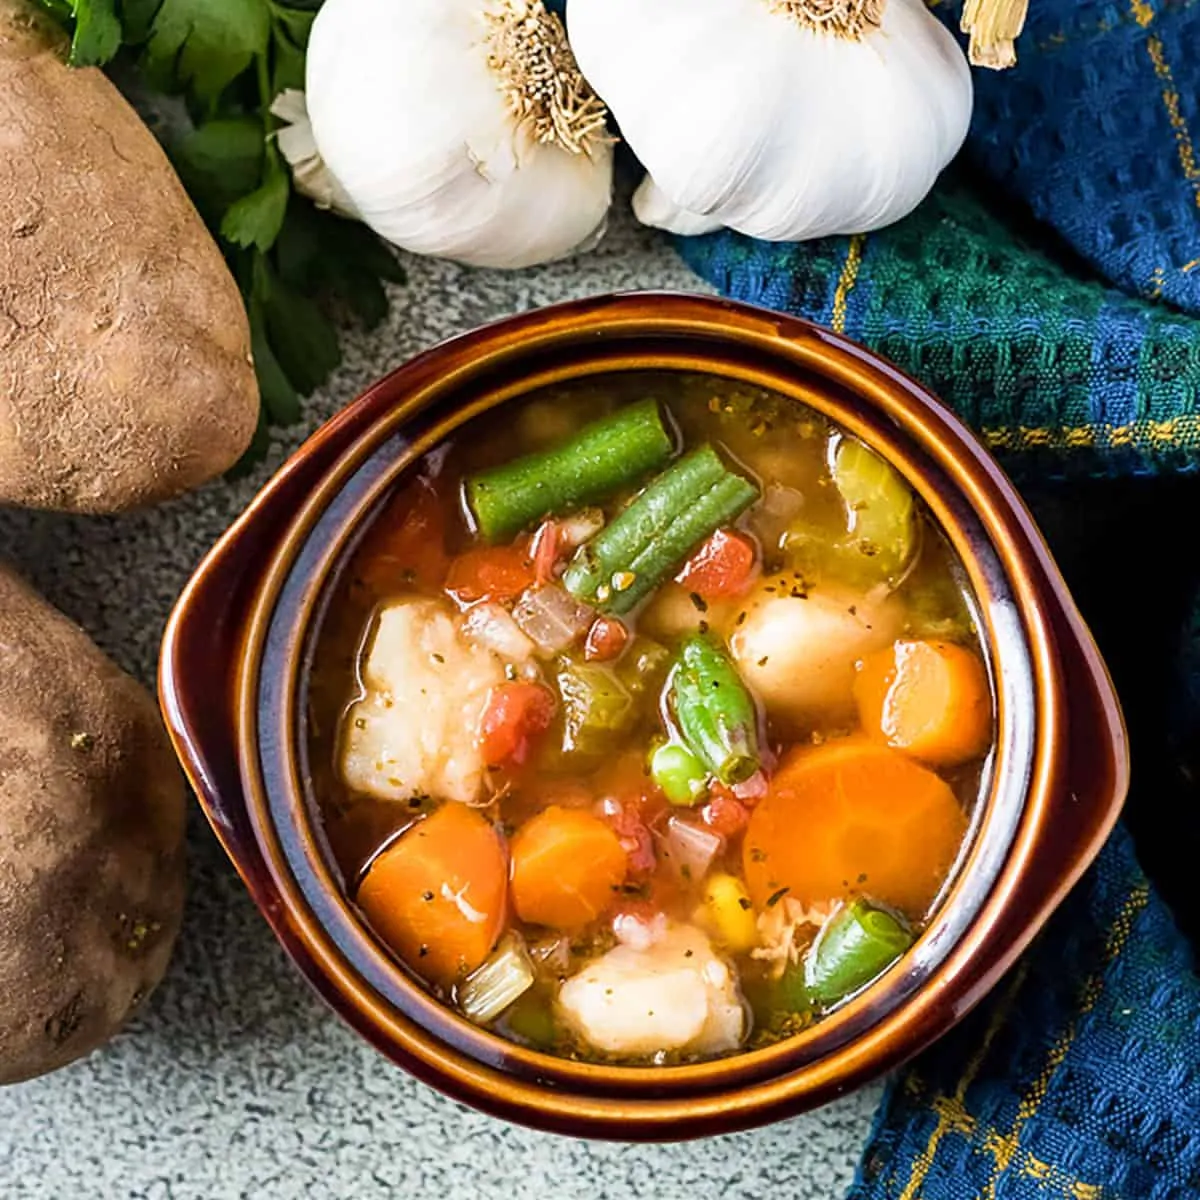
x=91 y=840
x=125 y=368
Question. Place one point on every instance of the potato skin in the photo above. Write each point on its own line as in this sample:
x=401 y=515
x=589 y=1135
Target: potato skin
x=125 y=368
x=91 y=840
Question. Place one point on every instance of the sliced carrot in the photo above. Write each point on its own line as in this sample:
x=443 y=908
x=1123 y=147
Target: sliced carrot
x=514 y=715
x=929 y=699
x=490 y=573
x=438 y=895
x=567 y=868
x=853 y=817
x=407 y=543
x=723 y=566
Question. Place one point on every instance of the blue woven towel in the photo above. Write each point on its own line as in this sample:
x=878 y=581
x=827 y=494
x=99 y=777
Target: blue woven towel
x=1073 y=219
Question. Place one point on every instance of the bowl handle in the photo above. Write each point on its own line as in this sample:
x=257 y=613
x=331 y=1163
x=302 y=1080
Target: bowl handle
x=1095 y=779
x=201 y=659
x=1090 y=786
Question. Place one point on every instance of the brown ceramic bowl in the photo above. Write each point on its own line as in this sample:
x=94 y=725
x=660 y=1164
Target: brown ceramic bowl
x=234 y=676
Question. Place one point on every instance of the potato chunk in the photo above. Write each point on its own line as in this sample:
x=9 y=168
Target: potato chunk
x=675 y=994
x=414 y=731
x=800 y=653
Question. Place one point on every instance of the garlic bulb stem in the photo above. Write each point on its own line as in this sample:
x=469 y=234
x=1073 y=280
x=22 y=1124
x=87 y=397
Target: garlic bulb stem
x=994 y=26
x=545 y=90
x=848 y=19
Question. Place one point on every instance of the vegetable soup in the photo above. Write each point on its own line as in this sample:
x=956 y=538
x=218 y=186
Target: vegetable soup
x=649 y=718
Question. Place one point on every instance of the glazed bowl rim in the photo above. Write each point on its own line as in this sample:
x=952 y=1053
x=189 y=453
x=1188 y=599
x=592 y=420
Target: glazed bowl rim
x=402 y=413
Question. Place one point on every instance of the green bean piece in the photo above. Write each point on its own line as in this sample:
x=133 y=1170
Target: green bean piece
x=858 y=943
x=715 y=713
x=602 y=458
x=679 y=773
x=652 y=538
x=791 y=991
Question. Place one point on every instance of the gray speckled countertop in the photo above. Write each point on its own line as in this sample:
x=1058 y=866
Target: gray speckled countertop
x=235 y=1081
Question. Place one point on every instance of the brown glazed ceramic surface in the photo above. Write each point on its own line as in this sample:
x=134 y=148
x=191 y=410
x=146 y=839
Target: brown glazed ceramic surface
x=234 y=672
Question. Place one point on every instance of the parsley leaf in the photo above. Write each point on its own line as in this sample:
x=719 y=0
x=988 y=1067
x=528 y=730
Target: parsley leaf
x=138 y=18
x=304 y=342
x=256 y=219
x=204 y=45
x=98 y=33
x=280 y=400
x=219 y=161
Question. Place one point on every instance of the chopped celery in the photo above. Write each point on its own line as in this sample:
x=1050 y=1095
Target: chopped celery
x=883 y=526
x=500 y=982
x=643 y=666
x=934 y=605
x=530 y=1020
x=596 y=706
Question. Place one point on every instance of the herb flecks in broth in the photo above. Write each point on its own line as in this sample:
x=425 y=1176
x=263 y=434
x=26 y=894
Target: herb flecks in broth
x=648 y=721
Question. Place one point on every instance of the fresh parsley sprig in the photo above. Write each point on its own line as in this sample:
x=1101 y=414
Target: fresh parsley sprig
x=229 y=59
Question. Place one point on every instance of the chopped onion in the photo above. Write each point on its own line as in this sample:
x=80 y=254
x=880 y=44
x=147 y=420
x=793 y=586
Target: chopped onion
x=491 y=626
x=552 y=618
x=500 y=982
x=578 y=528
x=774 y=514
x=637 y=931
x=690 y=848
x=754 y=788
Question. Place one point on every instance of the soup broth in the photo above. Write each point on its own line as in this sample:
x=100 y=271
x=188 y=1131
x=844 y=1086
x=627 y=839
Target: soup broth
x=648 y=719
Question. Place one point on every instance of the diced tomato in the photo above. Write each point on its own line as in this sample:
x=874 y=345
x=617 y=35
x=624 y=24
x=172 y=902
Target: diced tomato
x=516 y=713
x=725 y=814
x=634 y=836
x=407 y=544
x=544 y=551
x=605 y=640
x=490 y=573
x=724 y=566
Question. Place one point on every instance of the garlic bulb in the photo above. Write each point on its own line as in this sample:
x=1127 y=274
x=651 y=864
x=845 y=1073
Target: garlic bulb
x=782 y=119
x=456 y=128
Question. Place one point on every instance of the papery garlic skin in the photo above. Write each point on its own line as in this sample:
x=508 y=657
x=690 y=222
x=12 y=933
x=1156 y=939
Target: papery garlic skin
x=745 y=117
x=297 y=144
x=437 y=148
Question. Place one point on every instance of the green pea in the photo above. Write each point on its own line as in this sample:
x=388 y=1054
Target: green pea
x=679 y=773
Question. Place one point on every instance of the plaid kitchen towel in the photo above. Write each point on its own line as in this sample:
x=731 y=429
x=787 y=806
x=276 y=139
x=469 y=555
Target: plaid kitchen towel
x=1049 y=290
x=1062 y=372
